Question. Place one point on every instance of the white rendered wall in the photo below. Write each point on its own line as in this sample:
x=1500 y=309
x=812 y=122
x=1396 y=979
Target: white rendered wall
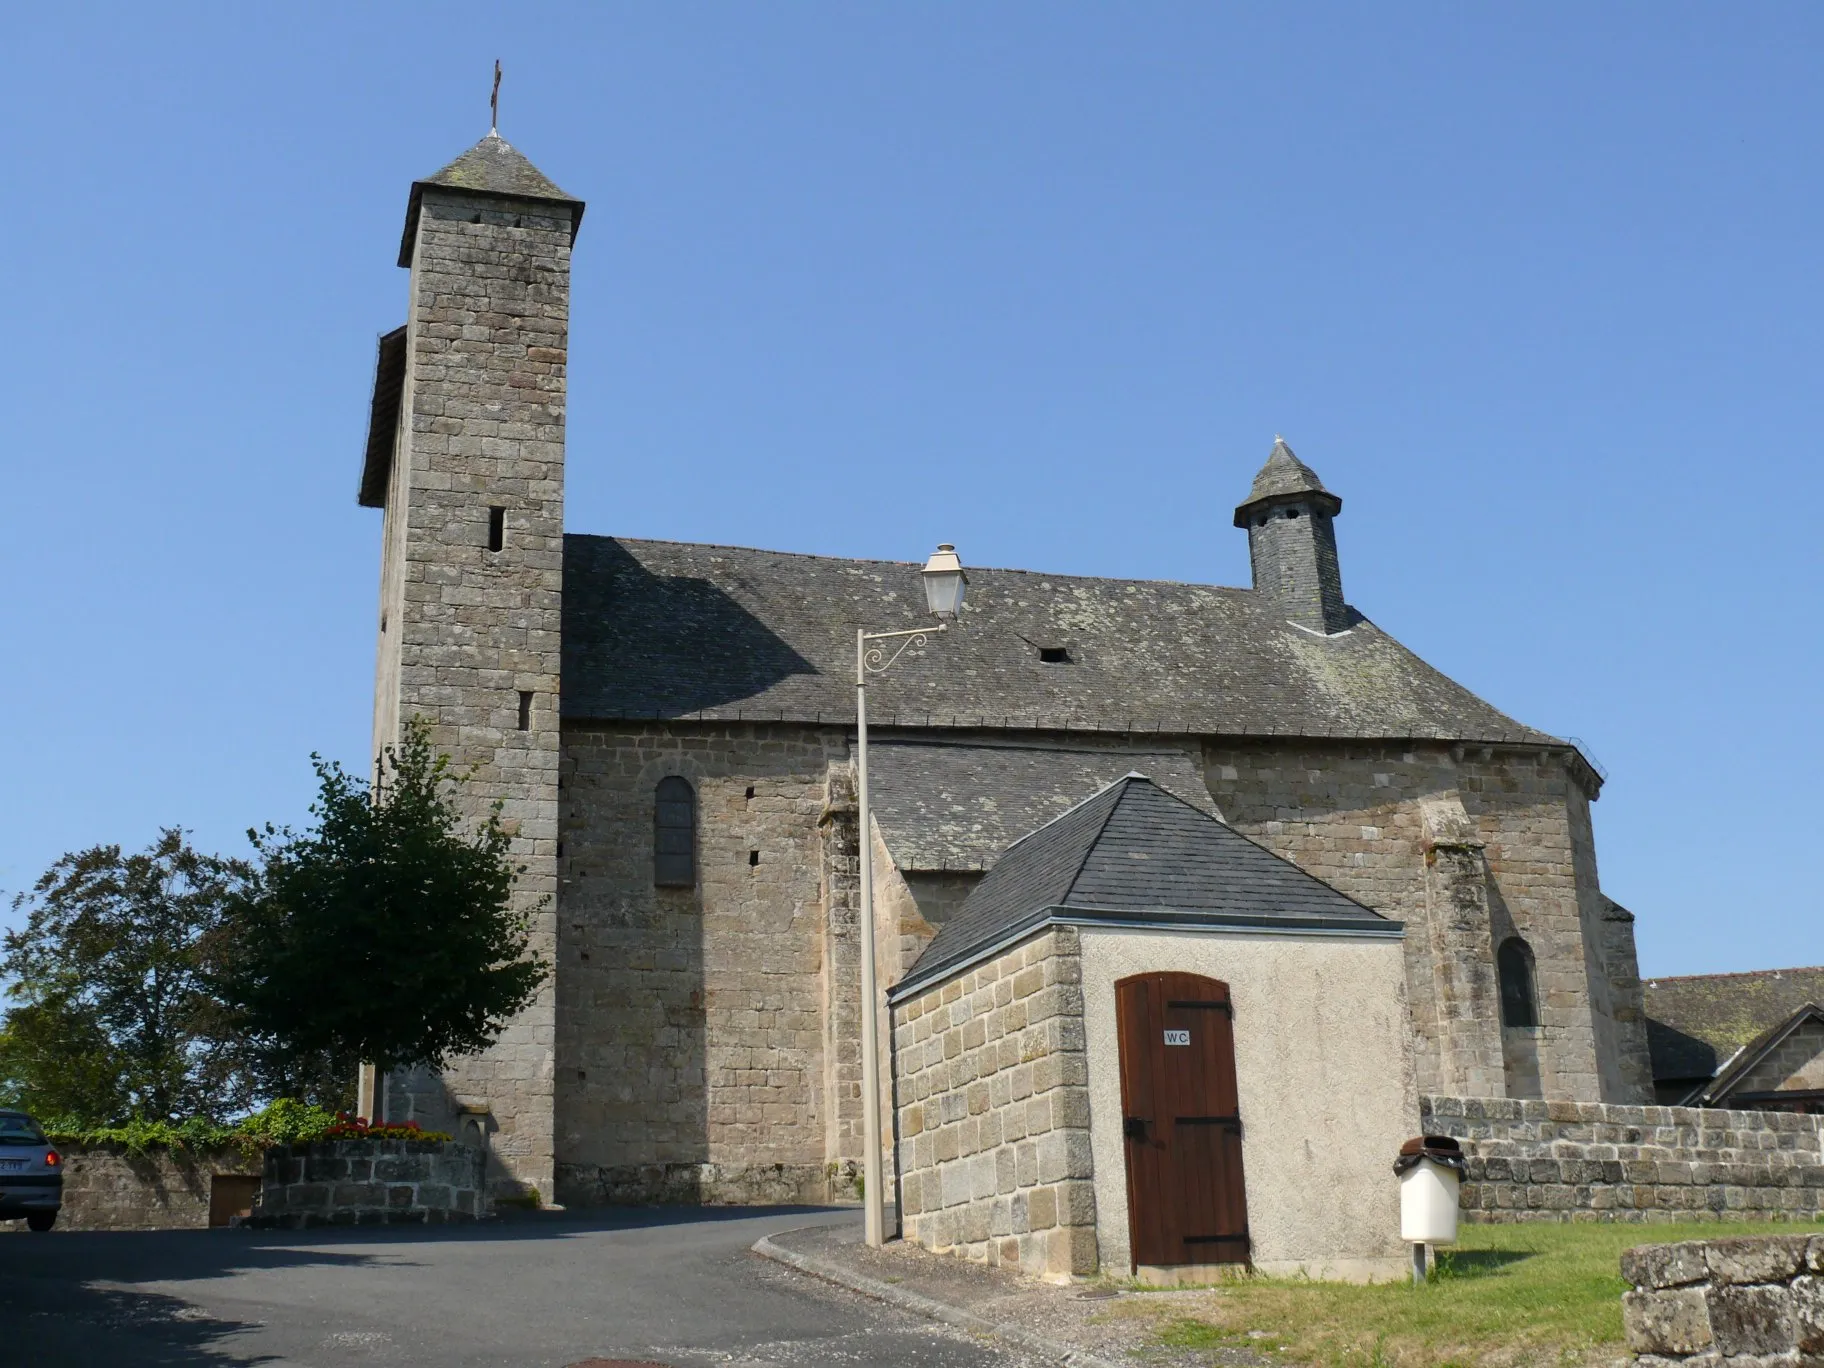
x=1324 y=1072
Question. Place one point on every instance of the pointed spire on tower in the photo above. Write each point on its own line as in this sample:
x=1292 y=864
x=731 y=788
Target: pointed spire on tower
x=1284 y=476
x=492 y=167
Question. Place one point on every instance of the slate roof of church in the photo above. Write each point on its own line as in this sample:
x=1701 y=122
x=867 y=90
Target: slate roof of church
x=958 y=807
x=1285 y=476
x=1696 y=1022
x=492 y=167
x=1135 y=853
x=656 y=629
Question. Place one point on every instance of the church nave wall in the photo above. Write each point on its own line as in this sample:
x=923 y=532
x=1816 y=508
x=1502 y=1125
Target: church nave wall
x=690 y=1039
x=1352 y=814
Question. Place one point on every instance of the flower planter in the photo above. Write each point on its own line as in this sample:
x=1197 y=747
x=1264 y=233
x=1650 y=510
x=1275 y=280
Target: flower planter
x=371 y=1182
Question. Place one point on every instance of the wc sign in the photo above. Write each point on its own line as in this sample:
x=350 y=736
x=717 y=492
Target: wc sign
x=1177 y=1037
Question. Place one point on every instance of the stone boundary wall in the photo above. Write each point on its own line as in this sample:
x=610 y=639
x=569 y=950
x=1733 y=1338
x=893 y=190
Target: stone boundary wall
x=993 y=1104
x=1588 y=1161
x=1753 y=1303
x=707 y=1184
x=372 y=1182
x=107 y=1187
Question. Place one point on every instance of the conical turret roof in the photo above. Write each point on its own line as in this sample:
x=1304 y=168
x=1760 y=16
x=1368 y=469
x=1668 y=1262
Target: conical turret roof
x=1284 y=476
x=492 y=167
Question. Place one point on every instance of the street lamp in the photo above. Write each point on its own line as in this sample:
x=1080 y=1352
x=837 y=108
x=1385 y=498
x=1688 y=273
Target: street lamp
x=944 y=581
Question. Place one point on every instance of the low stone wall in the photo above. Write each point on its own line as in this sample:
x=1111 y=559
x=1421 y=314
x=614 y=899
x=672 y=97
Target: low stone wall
x=707 y=1184
x=1742 y=1303
x=106 y=1187
x=1587 y=1161
x=993 y=1104
x=372 y=1182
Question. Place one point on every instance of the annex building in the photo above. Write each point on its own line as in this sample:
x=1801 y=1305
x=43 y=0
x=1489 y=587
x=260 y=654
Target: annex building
x=1381 y=885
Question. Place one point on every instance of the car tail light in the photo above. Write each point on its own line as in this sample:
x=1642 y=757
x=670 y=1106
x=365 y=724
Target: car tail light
x=52 y=1158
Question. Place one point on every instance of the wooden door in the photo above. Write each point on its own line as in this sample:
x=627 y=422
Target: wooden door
x=1181 y=1121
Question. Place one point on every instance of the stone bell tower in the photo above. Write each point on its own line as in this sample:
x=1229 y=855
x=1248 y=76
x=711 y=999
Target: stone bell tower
x=1292 y=543
x=466 y=456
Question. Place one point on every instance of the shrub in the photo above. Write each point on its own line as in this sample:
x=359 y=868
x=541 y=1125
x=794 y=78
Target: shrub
x=284 y=1122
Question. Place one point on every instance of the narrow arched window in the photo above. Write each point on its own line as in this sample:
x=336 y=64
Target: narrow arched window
x=674 y=834
x=1514 y=964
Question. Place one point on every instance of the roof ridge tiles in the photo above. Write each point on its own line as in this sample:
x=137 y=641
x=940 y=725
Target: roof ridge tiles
x=906 y=564
x=1735 y=974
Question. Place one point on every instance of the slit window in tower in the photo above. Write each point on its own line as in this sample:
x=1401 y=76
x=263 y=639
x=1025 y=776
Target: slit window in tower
x=525 y=710
x=497 y=528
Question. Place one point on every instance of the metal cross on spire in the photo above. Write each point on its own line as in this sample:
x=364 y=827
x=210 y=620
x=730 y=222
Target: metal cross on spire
x=494 y=103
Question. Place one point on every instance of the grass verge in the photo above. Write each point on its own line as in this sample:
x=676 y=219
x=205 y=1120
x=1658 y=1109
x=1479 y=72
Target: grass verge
x=1505 y=1296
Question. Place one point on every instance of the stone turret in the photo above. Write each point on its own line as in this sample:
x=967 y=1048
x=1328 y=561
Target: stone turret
x=466 y=456
x=1292 y=543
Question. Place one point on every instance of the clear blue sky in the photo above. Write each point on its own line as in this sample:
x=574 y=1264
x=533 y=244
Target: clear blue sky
x=1536 y=289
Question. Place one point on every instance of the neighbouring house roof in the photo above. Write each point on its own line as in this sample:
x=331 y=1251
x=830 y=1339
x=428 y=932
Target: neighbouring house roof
x=1134 y=853
x=1696 y=1023
x=658 y=629
x=957 y=807
x=492 y=167
x=1737 y=1070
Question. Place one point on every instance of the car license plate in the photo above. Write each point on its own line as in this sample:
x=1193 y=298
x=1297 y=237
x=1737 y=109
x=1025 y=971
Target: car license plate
x=14 y=1165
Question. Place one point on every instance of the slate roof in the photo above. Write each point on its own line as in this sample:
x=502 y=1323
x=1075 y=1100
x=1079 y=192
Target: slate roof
x=658 y=629
x=1134 y=853
x=1285 y=476
x=383 y=419
x=492 y=167
x=951 y=807
x=1697 y=1022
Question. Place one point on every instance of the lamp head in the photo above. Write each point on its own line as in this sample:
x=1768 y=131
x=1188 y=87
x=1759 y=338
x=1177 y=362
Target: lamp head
x=944 y=581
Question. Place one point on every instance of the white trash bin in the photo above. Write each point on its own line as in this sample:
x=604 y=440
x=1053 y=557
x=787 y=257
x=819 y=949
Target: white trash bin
x=1430 y=1170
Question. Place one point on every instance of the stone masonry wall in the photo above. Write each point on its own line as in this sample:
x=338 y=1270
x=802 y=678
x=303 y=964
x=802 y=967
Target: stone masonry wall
x=691 y=1043
x=1352 y=814
x=1754 y=1303
x=466 y=631
x=1584 y=1161
x=371 y=1182
x=993 y=1098
x=707 y=1037
x=108 y=1188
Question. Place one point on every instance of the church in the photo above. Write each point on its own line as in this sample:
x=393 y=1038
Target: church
x=671 y=730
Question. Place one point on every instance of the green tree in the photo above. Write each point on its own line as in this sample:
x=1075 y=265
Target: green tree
x=57 y=1063
x=386 y=933
x=113 y=1015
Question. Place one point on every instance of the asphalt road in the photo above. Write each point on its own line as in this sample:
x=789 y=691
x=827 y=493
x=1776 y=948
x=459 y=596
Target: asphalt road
x=670 y=1286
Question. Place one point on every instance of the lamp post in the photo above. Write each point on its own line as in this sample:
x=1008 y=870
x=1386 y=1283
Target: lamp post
x=944 y=581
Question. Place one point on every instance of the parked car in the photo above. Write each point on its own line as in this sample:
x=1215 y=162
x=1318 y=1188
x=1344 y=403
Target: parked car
x=31 y=1173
